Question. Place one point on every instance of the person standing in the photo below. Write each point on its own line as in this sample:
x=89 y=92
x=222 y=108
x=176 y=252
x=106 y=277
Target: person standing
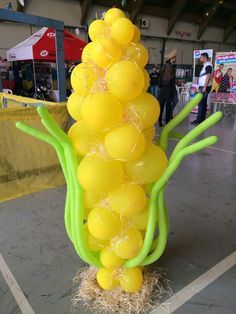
x=217 y=78
x=154 y=77
x=167 y=87
x=227 y=82
x=204 y=83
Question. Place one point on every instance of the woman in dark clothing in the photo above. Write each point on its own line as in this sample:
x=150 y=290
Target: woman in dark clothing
x=226 y=82
x=167 y=89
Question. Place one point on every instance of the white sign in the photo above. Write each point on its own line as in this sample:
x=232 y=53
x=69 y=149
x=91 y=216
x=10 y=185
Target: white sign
x=197 y=53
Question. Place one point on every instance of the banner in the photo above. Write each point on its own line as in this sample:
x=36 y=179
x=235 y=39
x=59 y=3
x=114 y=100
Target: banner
x=197 y=53
x=228 y=59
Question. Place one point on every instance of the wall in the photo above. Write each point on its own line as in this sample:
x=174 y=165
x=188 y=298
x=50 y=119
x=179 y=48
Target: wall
x=69 y=11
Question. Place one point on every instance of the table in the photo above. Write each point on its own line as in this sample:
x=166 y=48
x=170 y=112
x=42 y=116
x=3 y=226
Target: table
x=224 y=102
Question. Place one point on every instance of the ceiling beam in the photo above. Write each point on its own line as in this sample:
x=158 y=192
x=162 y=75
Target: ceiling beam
x=226 y=4
x=111 y=3
x=176 y=10
x=207 y=17
x=229 y=27
x=85 y=6
x=136 y=9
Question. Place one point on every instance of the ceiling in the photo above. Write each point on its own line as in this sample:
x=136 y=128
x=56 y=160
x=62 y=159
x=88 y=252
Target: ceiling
x=220 y=13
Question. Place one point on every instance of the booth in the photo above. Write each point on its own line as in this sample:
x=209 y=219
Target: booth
x=41 y=49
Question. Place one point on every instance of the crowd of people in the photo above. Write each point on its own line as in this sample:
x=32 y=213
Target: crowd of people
x=163 y=86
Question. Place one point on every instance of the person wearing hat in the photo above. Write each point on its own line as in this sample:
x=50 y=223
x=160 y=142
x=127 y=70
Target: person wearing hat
x=204 y=83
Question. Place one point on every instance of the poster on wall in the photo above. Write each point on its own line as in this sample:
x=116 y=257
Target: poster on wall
x=228 y=62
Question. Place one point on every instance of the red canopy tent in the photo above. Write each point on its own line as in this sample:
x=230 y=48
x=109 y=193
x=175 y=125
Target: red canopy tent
x=41 y=46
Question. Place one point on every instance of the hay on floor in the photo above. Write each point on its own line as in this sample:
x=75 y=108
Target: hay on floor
x=89 y=294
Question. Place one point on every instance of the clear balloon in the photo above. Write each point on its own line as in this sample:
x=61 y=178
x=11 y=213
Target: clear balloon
x=101 y=111
x=131 y=280
x=149 y=167
x=100 y=175
x=109 y=259
x=125 y=80
x=112 y=15
x=122 y=30
x=83 y=139
x=103 y=224
x=125 y=143
x=83 y=78
x=106 y=279
x=137 y=53
x=143 y=111
x=105 y=52
x=128 y=243
x=128 y=200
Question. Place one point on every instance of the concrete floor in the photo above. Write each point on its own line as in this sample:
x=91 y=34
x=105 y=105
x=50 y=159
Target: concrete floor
x=201 y=199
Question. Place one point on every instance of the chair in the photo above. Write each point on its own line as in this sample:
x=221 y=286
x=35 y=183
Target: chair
x=7 y=91
x=185 y=93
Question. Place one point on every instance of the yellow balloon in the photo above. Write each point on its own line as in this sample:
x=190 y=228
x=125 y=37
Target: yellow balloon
x=149 y=167
x=140 y=220
x=106 y=279
x=105 y=52
x=97 y=29
x=125 y=80
x=101 y=111
x=143 y=111
x=94 y=245
x=137 y=53
x=86 y=54
x=83 y=139
x=131 y=280
x=100 y=175
x=103 y=224
x=109 y=259
x=91 y=200
x=125 y=143
x=122 y=30
x=74 y=105
x=149 y=134
x=146 y=80
x=83 y=78
x=113 y=14
x=137 y=34
x=128 y=243
x=128 y=200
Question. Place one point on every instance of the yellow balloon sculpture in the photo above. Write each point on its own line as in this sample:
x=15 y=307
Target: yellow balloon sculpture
x=115 y=174
x=113 y=134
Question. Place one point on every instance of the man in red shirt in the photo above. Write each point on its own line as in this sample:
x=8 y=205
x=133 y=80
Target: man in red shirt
x=217 y=78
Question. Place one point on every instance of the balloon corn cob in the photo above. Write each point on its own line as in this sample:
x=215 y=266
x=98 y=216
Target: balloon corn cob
x=115 y=175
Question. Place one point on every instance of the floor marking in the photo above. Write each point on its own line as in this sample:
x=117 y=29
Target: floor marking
x=185 y=294
x=15 y=288
x=221 y=149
